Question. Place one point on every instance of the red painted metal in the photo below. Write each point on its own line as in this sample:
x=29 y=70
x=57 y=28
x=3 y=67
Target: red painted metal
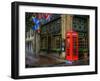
x=71 y=46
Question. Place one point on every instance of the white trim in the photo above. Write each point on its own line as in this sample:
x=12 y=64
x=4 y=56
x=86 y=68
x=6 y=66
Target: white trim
x=53 y=70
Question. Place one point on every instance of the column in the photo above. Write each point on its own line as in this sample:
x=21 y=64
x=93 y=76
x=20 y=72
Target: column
x=66 y=25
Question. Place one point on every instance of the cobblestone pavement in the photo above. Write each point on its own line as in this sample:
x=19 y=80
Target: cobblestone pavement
x=50 y=61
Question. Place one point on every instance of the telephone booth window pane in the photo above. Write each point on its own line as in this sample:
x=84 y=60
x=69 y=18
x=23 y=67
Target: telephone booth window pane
x=74 y=42
x=74 y=46
x=68 y=46
x=68 y=52
x=75 y=52
x=68 y=42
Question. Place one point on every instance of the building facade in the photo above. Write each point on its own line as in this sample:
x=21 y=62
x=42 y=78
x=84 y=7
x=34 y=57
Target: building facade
x=51 y=39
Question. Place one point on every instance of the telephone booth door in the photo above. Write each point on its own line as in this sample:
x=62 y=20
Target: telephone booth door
x=71 y=46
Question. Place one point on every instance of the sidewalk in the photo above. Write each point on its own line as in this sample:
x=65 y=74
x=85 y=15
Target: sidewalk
x=50 y=60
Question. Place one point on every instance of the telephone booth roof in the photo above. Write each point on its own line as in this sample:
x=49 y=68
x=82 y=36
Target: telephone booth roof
x=72 y=33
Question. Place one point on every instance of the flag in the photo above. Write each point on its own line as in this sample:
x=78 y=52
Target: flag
x=48 y=17
x=37 y=23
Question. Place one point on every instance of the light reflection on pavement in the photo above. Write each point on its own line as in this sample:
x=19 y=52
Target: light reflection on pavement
x=46 y=60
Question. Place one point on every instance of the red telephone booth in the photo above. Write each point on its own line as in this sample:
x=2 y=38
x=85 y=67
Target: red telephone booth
x=71 y=46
